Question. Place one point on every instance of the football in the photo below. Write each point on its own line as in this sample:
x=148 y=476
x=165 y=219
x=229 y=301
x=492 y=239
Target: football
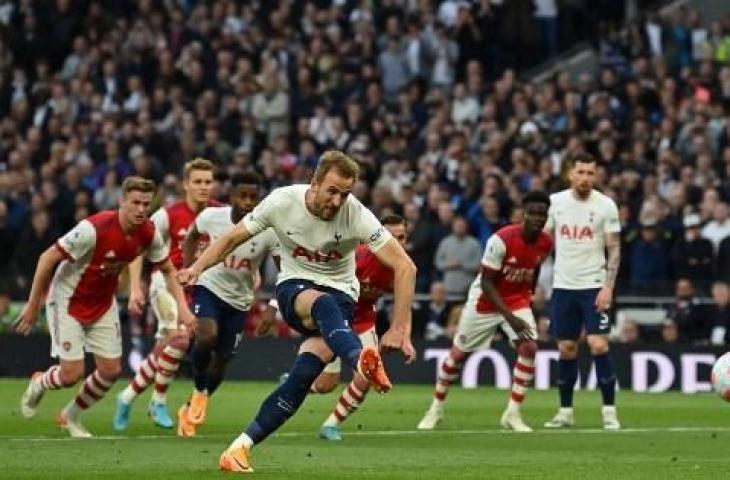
x=721 y=376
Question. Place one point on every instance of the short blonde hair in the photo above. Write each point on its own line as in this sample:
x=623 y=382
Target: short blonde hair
x=138 y=184
x=198 y=163
x=345 y=166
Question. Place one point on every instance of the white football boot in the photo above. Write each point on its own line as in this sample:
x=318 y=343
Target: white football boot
x=512 y=420
x=433 y=416
x=72 y=425
x=32 y=396
x=610 y=419
x=564 y=418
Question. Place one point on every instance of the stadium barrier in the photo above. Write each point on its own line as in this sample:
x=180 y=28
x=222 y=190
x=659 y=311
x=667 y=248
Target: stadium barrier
x=640 y=367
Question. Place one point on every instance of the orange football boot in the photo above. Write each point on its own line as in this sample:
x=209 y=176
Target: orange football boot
x=370 y=365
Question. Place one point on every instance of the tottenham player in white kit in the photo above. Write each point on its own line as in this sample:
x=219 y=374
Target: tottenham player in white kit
x=585 y=225
x=81 y=304
x=223 y=294
x=318 y=226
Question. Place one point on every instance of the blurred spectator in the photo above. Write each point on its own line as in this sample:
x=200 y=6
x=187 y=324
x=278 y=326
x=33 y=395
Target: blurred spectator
x=717 y=229
x=7 y=240
x=393 y=67
x=692 y=255
x=485 y=219
x=723 y=260
x=270 y=108
x=421 y=245
x=670 y=332
x=719 y=314
x=445 y=53
x=649 y=259
x=688 y=314
x=107 y=197
x=546 y=16
x=33 y=241
x=458 y=258
x=435 y=315
x=629 y=332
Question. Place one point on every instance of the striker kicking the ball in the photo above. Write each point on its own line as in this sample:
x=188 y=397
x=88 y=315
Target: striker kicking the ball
x=375 y=280
x=319 y=227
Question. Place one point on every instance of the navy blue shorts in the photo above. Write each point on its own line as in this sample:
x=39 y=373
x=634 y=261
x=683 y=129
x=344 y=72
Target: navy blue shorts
x=287 y=291
x=230 y=320
x=571 y=310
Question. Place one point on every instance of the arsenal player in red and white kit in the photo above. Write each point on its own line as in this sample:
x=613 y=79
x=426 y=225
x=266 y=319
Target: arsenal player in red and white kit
x=501 y=297
x=81 y=306
x=161 y=365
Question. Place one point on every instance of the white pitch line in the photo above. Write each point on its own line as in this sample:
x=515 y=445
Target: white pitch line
x=392 y=433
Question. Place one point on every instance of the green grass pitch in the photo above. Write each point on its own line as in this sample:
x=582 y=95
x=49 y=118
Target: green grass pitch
x=666 y=436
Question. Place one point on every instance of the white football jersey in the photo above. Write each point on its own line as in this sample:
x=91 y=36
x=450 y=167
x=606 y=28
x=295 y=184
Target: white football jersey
x=579 y=228
x=232 y=280
x=313 y=249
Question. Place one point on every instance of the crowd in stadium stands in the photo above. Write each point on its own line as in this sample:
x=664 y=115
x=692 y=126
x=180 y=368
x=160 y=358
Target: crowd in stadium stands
x=425 y=94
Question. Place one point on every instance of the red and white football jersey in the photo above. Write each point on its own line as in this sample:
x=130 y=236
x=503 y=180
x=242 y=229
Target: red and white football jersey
x=173 y=222
x=95 y=251
x=516 y=263
x=375 y=279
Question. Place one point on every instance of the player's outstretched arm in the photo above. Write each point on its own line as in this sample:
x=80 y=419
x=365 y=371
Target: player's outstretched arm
x=521 y=328
x=613 y=260
x=398 y=337
x=136 y=300
x=186 y=316
x=190 y=245
x=213 y=254
x=41 y=279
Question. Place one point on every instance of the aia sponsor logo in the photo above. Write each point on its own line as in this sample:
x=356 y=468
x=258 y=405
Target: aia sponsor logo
x=236 y=263
x=316 y=255
x=576 y=232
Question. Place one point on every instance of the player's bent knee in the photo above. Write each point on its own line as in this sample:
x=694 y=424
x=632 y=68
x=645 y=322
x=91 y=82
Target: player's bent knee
x=458 y=355
x=206 y=333
x=110 y=371
x=304 y=305
x=598 y=345
x=316 y=346
x=527 y=349
x=179 y=341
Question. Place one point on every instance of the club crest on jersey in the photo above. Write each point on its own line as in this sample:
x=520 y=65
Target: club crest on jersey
x=110 y=265
x=316 y=255
x=182 y=233
x=576 y=232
